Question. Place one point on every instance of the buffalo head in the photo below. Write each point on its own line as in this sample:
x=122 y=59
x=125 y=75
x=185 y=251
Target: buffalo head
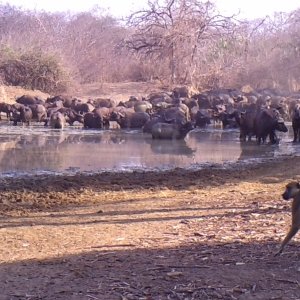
x=280 y=126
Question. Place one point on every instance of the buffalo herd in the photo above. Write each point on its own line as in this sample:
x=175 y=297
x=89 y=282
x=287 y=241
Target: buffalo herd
x=168 y=115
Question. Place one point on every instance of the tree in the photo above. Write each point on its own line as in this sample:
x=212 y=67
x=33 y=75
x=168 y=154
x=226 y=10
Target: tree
x=175 y=31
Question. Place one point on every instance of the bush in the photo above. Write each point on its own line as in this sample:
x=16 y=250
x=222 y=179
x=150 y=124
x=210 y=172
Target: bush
x=33 y=70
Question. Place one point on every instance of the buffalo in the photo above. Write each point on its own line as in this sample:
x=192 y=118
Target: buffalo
x=29 y=100
x=93 y=120
x=267 y=121
x=296 y=123
x=168 y=131
x=127 y=118
x=6 y=108
x=39 y=112
x=57 y=120
x=246 y=122
x=23 y=114
x=201 y=117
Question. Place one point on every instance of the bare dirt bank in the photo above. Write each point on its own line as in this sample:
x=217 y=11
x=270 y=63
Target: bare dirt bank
x=206 y=234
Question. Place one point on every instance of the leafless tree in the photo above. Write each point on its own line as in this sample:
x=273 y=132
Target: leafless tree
x=177 y=31
x=177 y=41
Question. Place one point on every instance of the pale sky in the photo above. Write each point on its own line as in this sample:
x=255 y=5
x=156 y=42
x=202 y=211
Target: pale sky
x=249 y=9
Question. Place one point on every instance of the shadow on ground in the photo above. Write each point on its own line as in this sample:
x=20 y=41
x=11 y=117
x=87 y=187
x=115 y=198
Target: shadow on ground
x=138 y=216
x=195 y=271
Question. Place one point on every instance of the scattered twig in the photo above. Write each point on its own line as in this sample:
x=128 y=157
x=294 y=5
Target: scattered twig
x=93 y=297
x=184 y=267
x=288 y=281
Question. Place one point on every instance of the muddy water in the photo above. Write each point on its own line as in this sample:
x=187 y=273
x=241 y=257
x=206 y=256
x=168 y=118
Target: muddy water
x=37 y=149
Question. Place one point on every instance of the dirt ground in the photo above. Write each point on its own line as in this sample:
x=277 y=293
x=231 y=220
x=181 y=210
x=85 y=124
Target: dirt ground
x=118 y=91
x=206 y=234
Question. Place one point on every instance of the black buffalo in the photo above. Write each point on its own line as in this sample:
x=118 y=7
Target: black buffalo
x=166 y=131
x=267 y=121
x=246 y=122
x=296 y=123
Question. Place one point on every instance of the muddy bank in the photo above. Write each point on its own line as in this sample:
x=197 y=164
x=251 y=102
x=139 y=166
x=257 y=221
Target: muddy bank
x=45 y=191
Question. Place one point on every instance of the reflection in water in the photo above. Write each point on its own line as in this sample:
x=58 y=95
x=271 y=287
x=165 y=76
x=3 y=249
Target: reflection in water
x=37 y=149
x=250 y=150
x=175 y=147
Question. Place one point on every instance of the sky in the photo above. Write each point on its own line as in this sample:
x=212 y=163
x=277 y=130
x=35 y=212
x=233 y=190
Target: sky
x=249 y=9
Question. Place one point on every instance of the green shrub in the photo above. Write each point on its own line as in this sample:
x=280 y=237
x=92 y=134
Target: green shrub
x=33 y=70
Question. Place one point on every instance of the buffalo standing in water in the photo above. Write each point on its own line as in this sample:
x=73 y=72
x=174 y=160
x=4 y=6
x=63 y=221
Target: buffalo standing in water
x=296 y=123
x=265 y=124
x=23 y=114
x=57 y=120
x=168 y=131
